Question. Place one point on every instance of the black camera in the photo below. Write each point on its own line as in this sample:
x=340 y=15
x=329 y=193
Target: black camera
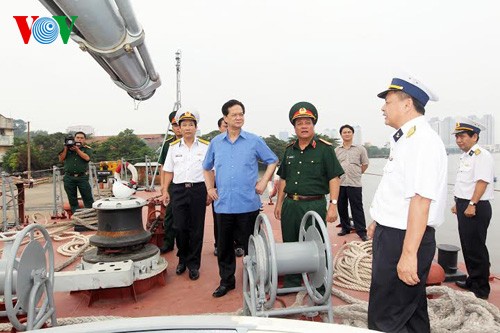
x=69 y=142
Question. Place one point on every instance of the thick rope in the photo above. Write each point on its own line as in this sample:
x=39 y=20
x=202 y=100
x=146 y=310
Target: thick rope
x=86 y=217
x=353 y=266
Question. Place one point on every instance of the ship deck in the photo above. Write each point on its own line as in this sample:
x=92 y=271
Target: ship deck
x=181 y=296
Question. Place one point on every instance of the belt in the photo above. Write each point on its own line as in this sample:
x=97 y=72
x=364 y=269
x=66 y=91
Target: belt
x=78 y=174
x=463 y=200
x=189 y=185
x=297 y=197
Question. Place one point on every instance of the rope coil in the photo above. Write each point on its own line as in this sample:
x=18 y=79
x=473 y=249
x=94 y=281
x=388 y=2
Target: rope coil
x=353 y=266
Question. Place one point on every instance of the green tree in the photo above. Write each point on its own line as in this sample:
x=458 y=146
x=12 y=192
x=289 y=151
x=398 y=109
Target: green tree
x=126 y=144
x=46 y=149
x=16 y=157
x=276 y=145
x=376 y=152
x=209 y=136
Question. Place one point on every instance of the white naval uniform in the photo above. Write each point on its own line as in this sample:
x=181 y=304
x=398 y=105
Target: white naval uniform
x=189 y=196
x=417 y=165
x=185 y=162
x=476 y=164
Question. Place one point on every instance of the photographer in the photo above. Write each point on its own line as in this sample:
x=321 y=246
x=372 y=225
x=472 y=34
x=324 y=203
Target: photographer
x=76 y=156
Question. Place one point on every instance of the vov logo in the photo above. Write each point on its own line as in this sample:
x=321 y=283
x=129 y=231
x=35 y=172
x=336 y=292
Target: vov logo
x=45 y=29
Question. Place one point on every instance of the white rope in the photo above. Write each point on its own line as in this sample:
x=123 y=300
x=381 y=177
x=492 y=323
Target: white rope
x=74 y=245
x=352 y=266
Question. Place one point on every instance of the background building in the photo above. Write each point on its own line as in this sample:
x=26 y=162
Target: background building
x=446 y=126
x=283 y=136
x=6 y=134
x=358 y=136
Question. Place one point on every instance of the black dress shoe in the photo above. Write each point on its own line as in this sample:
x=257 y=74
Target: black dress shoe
x=481 y=296
x=462 y=284
x=364 y=238
x=194 y=274
x=343 y=233
x=180 y=269
x=222 y=290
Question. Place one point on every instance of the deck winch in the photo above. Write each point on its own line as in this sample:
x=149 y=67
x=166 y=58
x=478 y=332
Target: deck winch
x=311 y=256
x=26 y=282
x=121 y=241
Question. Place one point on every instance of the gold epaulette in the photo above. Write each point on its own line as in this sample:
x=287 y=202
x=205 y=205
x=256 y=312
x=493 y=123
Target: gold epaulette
x=174 y=142
x=203 y=141
x=411 y=131
x=325 y=142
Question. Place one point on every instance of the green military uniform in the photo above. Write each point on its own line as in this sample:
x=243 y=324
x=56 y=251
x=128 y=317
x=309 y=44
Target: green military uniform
x=307 y=174
x=76 y=177
x=168 y=223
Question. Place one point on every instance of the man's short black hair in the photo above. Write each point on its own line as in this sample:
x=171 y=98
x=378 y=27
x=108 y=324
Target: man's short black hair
x=80 y=132
x=219 y=122
x=346 y=126
x=231 y=103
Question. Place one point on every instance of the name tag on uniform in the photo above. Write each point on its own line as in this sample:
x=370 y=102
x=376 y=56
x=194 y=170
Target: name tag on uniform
x=291 y=156
x=178 y=155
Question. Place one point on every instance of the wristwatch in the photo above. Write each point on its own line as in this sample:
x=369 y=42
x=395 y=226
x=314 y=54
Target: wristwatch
x=472 y=203
x=333 y=202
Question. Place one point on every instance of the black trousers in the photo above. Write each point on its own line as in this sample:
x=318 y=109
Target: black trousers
x=350 y=195
x=473 y=232
x=188 y=206
x=395 y=306
x=227 y=224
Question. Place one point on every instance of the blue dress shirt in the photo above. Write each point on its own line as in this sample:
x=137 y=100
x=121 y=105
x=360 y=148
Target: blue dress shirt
x=236 y=171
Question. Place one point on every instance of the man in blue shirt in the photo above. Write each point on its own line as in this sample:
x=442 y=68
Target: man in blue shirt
x=235 y=155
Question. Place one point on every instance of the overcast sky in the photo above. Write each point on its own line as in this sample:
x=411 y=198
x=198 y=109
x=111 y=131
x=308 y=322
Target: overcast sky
x=269 y=54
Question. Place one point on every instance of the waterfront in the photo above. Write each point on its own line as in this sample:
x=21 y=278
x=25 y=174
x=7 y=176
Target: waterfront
x=447 y=233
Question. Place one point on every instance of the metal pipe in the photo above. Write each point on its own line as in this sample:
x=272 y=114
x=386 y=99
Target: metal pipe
x=105 y=66
x=127 y=13
x=128 y=69
x=98 y=21
x=148 y=63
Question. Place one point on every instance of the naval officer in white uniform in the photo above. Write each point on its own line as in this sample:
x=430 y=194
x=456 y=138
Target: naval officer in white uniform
x=473 y=192
x=183 y=167
x=408 y=205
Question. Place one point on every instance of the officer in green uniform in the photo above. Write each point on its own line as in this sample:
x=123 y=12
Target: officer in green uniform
x=169 y=237
x=308 y=171
x=76 y=157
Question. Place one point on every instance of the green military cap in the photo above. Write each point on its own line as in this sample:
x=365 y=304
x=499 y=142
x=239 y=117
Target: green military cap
x=171 y=117
x=303 y=110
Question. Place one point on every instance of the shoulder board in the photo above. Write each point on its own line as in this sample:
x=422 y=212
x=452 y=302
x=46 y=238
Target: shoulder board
x=477 y=151
x=174 y=142
x=85 y=146
x=325 y=142
x=290 y=144
x=411 y=131
x=204 y=141
x=170 y=139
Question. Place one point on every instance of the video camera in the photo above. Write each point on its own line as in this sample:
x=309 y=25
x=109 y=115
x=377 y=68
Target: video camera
x=69 y=142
